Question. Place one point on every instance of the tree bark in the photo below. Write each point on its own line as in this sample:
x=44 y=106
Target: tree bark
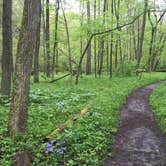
x=26 y=45
x=102 y=43
x=48 y=38
x=141 y=37
x=88 y=61
x=95 y=44
x=44 y=37
x=68 y=41
x=37 y=49
x=55 y=49
x=7 y=61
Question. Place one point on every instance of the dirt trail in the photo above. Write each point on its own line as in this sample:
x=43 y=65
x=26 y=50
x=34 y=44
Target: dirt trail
x=139 y=141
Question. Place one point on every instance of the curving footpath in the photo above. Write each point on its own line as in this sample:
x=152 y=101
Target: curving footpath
x=139 y=141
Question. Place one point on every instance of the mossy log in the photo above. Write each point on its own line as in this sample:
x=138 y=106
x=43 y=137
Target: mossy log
x=68 y=123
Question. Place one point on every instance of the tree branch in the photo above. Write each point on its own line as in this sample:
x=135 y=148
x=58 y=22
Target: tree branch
x=101 y=33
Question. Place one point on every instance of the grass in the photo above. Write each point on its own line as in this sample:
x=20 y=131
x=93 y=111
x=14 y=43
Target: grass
x=89 y=140
x=158 y=102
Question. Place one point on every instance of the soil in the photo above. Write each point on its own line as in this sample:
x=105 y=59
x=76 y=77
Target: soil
x=139 y=140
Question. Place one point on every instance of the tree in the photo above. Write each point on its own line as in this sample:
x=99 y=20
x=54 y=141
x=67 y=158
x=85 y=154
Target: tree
x=47 y=31
x=37 y=48
x=141 y=36
x=153 y=41
x=68 y=40
x=55 y=49
x=111 y=44
x=88 y=61
x=25 y=50
x=95 y=44
x=7 y=61
x=101 y=43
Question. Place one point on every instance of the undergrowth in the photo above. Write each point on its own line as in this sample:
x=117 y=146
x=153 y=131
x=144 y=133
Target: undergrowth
x=85 y=143
x=158 y=102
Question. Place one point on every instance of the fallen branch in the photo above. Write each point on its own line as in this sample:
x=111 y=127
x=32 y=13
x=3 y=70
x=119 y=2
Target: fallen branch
x=59 y=78
x=68 y=123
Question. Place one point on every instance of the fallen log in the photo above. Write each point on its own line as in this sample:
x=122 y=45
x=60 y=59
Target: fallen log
x=68 y=123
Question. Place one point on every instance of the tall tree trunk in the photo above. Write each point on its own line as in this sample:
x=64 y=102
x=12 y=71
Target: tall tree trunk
x=116 y=8
x=68 y=40
x=153 y=42
x=55 y=49
x=88 y=62
x=26 y=45
x=7 y=60
x=141 y=37
x=81 y=24
x=44 y=37
x=102 y=41
x=37 y=49
x=111 y=44
x=48 y=37
x=95 y=44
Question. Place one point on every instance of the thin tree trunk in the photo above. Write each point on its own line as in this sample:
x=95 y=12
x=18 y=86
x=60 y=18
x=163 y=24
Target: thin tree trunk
x=48 y=38
x=141 y=37
x=95 y=44
x=44 y=38
x=7 y=60
x=55 y=49
x=88 y=62
x=68 y=40
x=37 y=49
x=102 y=42
x=111 y=44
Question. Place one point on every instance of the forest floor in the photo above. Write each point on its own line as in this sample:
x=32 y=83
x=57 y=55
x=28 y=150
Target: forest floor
x=139 y=140
x=89 y=140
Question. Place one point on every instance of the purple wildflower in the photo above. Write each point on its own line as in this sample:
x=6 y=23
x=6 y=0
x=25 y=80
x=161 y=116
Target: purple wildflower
x=50 y=146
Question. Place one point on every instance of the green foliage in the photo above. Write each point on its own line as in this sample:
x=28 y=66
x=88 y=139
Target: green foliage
x=90 y=139
x=158 y=102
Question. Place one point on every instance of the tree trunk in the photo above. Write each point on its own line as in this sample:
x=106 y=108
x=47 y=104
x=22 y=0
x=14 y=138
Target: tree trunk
x=88 y=62
x=48 y=38
x=44 y=38
x=111 y=44
x=7 y=61
x=95 y=44
x=37 y=49
x=55 y=49
x=102 y=42
x=68 y=40
x=141 y=37
x=26 y=45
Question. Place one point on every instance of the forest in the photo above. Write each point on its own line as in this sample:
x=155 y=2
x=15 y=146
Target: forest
x=83 y=82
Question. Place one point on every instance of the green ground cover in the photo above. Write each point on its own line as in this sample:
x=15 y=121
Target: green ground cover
x=158 y=102
x=89 y=140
